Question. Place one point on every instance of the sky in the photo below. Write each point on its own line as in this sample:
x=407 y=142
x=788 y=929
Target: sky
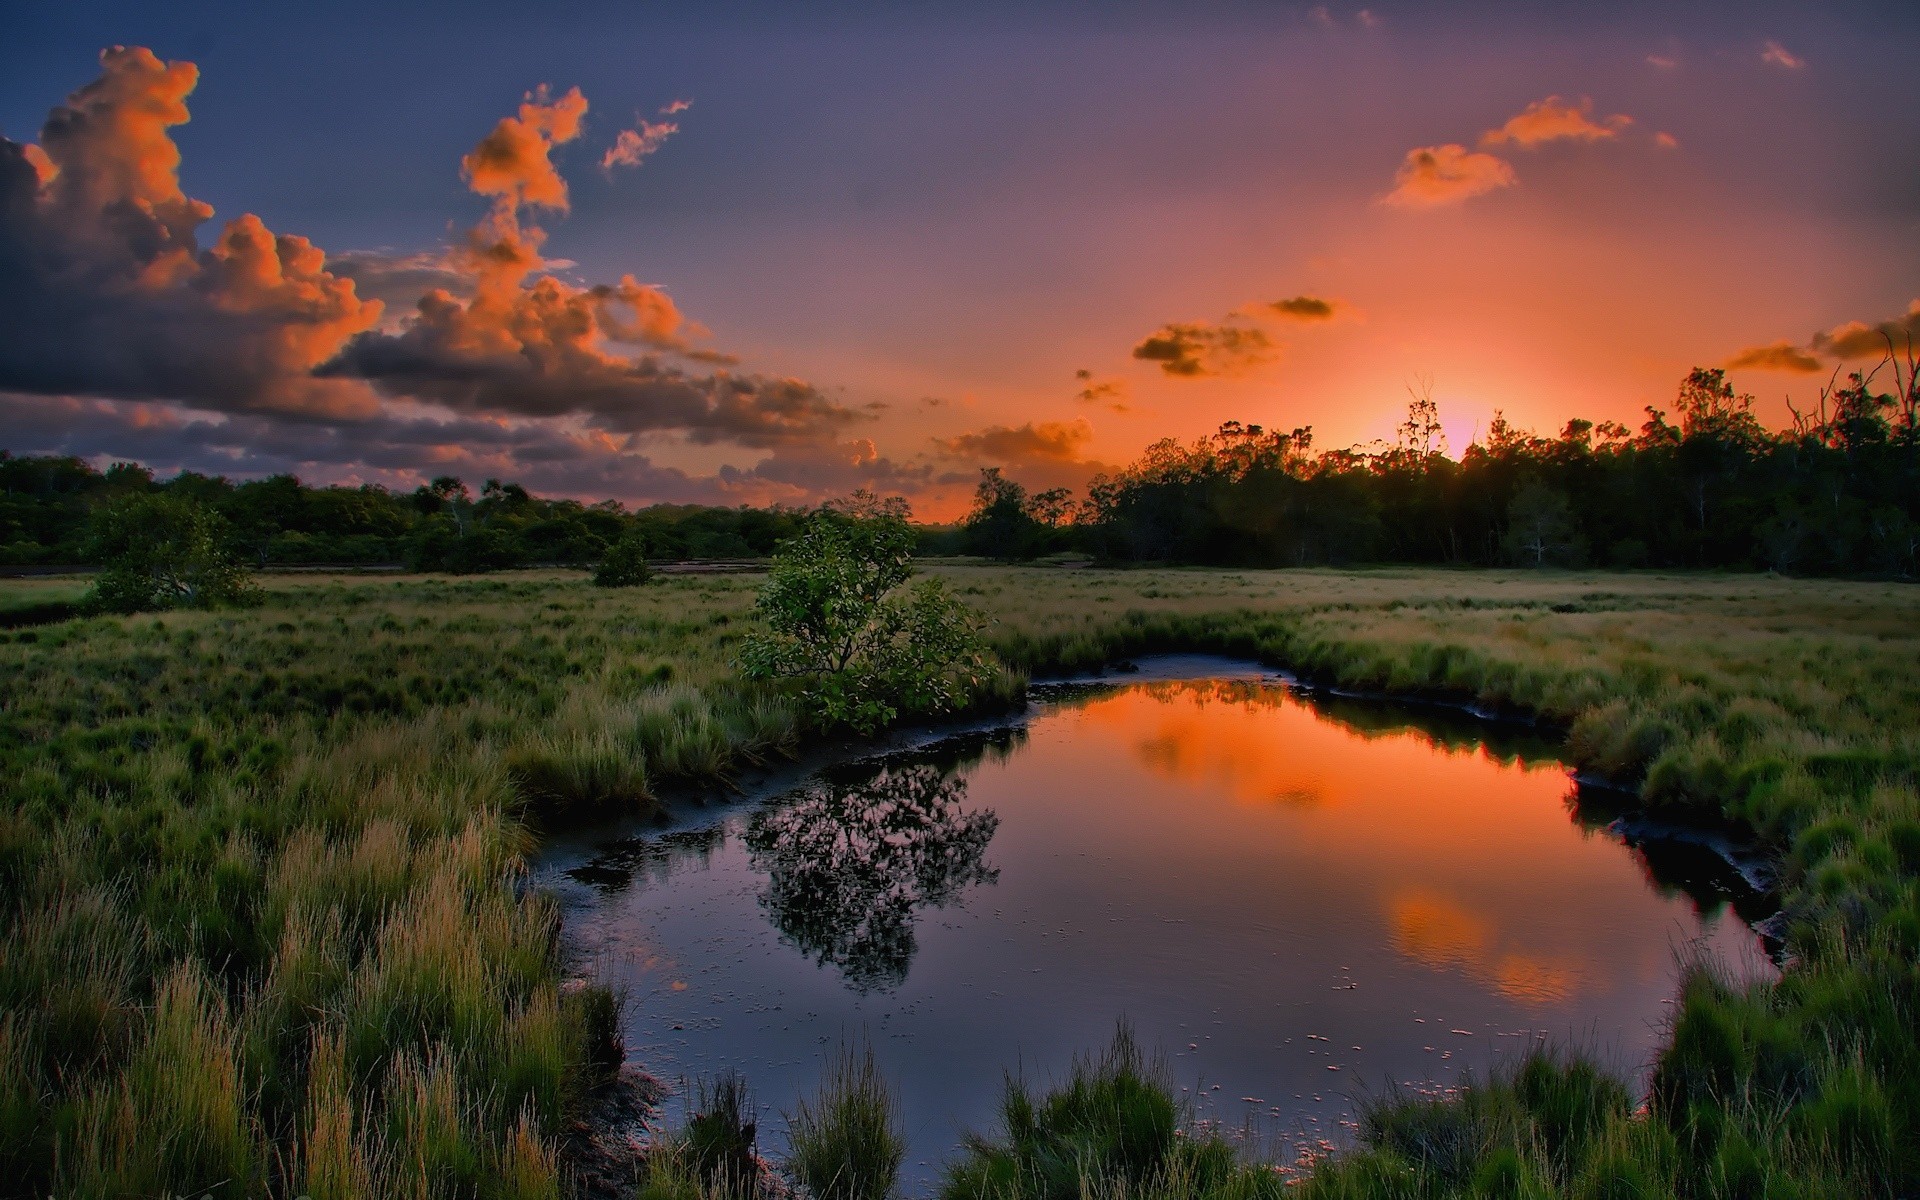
x=736 y=254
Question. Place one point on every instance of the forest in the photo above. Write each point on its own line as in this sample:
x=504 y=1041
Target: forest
x=1706 y=484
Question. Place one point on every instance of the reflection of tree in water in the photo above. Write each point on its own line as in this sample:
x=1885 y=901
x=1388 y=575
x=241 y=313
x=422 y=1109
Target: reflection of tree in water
x=649 y=860
x=847 y=865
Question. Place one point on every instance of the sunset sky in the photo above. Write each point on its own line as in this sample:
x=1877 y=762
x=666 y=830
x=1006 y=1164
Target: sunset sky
x=728 y=254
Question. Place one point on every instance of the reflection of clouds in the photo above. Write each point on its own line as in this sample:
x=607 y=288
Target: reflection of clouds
x=1438 y=932
x=1179 y=738
x=847 y=865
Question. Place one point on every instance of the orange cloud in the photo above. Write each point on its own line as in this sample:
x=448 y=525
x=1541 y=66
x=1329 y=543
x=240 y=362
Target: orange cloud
x=632 y=145
x=1555 y=120
x=1776 y=356
x=1666 y=141
x=541 y=347
x=515 y=161
x=104 y=290
x=1858 y=339
x=1432 y=176
x=1034 y=442
x=1192 y=350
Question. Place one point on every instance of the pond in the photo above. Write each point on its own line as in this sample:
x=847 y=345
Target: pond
x=1297 y=900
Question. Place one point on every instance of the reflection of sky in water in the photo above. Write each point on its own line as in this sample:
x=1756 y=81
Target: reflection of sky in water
x=1295 y=902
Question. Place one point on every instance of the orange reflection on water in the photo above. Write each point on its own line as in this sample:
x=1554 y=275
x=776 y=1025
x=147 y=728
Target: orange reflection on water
x=1470 y=863
x=1438 y=931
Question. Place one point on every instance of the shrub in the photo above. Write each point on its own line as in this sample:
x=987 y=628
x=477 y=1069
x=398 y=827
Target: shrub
x=625 y=563
x=163 y=551
x=863 y=647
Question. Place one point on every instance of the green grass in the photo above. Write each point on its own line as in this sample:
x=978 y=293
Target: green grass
x=259 y=870
x=846 y=1142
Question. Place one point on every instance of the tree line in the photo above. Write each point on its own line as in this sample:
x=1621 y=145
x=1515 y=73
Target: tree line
x=61 y=511
x=1837 y=492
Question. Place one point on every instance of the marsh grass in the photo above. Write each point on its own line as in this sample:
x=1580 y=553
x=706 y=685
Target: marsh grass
x=1112 y=1128
x=846 y=1143
x=264 y=929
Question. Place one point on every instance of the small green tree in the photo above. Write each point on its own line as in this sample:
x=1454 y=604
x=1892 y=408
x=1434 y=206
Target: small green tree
x=162 y=551
x=862 y=646
x=625 y=562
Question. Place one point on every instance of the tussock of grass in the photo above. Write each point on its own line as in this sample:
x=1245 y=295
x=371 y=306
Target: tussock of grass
x=846 y=1142
x=1112 y=1128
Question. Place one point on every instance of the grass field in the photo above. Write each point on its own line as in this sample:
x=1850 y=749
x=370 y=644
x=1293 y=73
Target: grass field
x=264 y=933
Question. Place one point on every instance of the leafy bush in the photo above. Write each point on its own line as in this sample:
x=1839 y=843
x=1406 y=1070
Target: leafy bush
x=164 y=551
x=864 y=648
x=625 y=564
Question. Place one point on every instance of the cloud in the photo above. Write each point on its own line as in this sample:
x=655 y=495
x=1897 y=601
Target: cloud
x=673 y=107
x=404 y=452
x=1110 y=394
x=1554 y=120
x=1774 y=54
x=398 y=280
x=632 y=145
x=1666 y=62
x=259 y=352
x=1191 y=350
x=527 y=344
x=1035 y=441
x=1776 y=356
x=104 y=289
x=1666 y=141
x=1432 y=176
x=1039 y=454
x=1299 y=308
x=1860 y=339
x=514 y=163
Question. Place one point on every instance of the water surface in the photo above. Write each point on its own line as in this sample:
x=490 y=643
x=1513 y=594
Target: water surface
x=1294 y=899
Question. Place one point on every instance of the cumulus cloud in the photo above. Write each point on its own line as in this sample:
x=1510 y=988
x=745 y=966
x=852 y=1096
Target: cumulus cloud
x=514 y=163
x=1192 y=350
x=1862 y=339
x=259 y=352
x=527 y=344
x=1776 y=55
x=105 y=290
x=1775 y=356
x=1432 y=176
x=1555 y=120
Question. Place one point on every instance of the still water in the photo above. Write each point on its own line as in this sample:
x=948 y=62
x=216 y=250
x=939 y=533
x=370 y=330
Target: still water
x=1295 y=900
